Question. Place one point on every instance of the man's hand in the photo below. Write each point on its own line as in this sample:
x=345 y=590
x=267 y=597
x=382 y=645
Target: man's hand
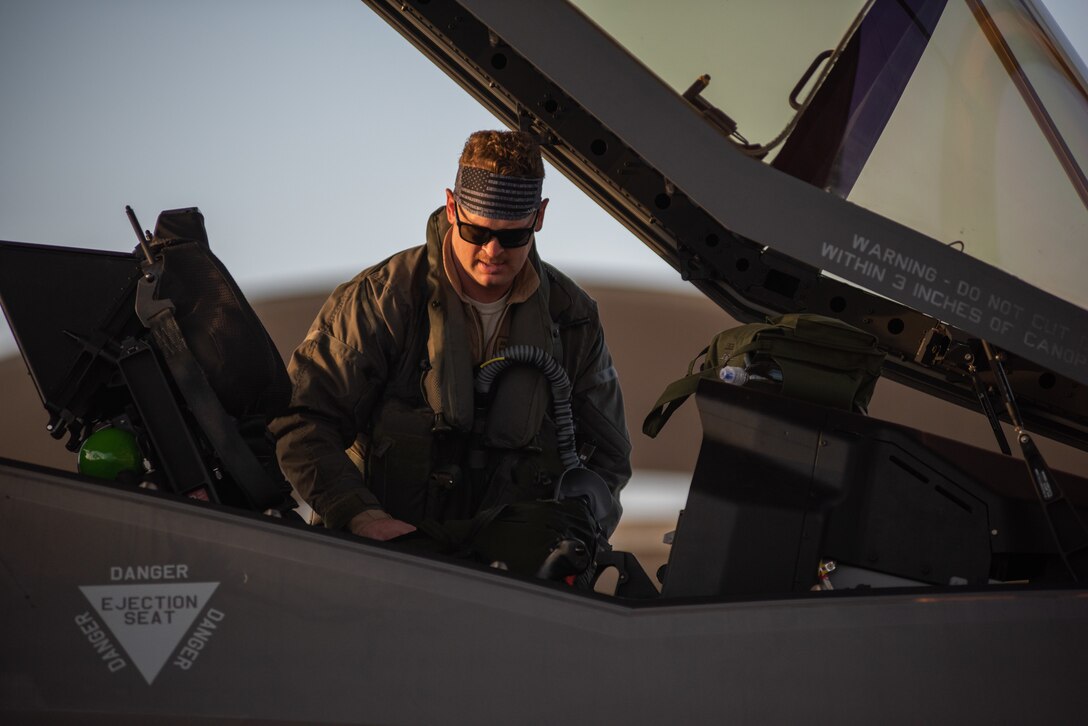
x=366 y=524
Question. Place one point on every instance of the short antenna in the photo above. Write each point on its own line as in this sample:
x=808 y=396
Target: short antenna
x=143 y=237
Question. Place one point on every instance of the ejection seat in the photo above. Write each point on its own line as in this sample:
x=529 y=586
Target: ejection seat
x=160 y=346
x=222 y=361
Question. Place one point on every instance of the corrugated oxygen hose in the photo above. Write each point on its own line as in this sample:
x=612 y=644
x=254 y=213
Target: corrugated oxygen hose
x=560 y=384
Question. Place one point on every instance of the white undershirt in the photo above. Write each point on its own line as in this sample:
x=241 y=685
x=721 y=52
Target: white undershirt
x=490 y=313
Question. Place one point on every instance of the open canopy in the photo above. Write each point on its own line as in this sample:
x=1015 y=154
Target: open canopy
x=924 y=174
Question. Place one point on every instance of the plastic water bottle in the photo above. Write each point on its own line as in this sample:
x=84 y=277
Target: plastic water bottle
x=734 y=374
x=762 y=372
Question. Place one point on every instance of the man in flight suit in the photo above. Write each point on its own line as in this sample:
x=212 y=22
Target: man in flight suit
x=384 y=429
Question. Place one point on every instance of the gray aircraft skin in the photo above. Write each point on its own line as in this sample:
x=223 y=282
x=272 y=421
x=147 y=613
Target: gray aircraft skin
x=291 y=624
x=128 y=605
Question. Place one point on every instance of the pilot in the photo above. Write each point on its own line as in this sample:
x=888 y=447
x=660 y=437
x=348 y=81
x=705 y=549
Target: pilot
x=385 y=430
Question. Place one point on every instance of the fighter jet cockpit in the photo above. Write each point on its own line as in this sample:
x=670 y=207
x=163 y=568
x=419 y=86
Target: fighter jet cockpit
x=897 y=192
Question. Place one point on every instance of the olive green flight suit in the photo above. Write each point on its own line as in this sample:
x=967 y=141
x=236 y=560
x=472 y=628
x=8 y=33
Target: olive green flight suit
x=383 y=412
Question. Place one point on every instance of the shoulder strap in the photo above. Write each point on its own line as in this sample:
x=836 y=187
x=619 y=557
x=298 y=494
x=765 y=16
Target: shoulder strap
x=674 y=395
x=555 y=310
x=220 y=428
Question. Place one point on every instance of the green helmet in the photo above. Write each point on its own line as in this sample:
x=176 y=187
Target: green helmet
x=108 y=452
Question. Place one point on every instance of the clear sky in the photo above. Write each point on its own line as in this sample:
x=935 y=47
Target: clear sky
x=313 y=137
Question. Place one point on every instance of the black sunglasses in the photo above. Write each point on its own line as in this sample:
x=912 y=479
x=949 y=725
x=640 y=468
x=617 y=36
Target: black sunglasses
x=478 y=235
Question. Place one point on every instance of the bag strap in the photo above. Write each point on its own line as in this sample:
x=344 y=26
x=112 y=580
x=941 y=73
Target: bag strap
x=675 y=394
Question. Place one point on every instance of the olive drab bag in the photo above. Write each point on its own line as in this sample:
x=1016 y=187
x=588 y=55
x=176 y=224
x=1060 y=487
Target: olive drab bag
x=822 y=360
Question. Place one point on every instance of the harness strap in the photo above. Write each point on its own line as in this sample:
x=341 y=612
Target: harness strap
x=221 y=429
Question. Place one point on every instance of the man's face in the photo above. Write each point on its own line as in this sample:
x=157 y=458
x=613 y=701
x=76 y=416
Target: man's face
x=487 y=271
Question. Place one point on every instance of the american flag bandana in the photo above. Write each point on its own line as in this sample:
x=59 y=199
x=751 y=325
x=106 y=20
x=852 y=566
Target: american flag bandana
x=495 y=196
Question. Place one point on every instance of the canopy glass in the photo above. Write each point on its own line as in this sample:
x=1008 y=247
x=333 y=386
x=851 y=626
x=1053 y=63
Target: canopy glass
x=966 y=120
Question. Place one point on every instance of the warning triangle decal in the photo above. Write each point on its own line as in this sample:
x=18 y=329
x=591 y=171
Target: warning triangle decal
x=149 y=620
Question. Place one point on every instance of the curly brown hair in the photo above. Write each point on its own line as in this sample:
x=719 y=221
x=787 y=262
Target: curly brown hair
x=510 y=153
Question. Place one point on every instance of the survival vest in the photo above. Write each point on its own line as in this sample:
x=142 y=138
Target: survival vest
x=451 y=454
